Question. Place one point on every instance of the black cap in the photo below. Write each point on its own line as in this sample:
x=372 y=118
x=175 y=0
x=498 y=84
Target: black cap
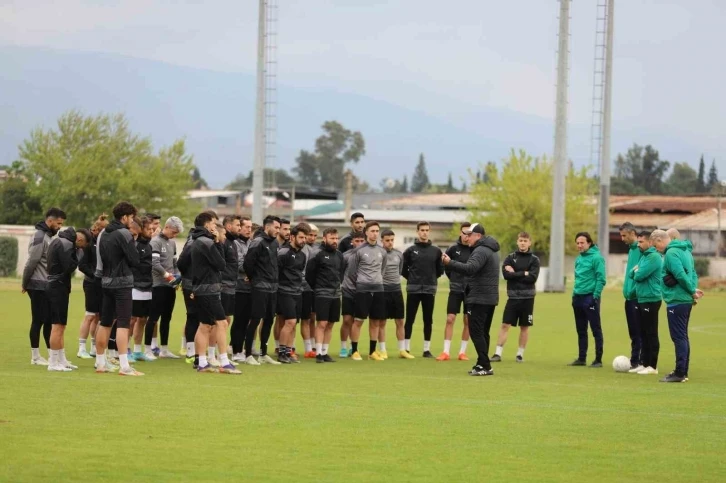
x=476 y=228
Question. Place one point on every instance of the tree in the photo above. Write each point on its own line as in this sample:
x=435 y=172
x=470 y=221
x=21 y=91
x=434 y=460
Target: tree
x=271 y=177
x=17 y=206
x=643 y=168
x=519 y=197
x=420 y=178
x=463 y=187
x=390 y=185
x=404 y=185
x=88 y=163
x=712 y=176
x=336 y=148
x=683 y=180
x=450 y=184
x=199 y=182
x=701 y=181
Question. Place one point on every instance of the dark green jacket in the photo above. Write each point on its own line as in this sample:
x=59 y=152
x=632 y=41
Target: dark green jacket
x=629 y=285
x=648 y=285
x=678 y=262
x=589 y=273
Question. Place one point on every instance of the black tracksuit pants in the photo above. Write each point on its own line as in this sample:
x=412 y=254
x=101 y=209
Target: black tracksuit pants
x=162 y=308
x=427 y=308
x=480 y=323
x=648 y=315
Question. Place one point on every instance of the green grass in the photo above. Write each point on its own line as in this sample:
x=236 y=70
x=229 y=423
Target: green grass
x=392 y=421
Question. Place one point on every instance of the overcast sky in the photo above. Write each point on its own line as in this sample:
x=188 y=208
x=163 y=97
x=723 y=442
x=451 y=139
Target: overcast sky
x=427 y=55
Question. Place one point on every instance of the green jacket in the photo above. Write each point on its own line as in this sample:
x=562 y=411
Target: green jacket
x=678 y=262
x=628 y=285
x=648 y=279
x=589 y=273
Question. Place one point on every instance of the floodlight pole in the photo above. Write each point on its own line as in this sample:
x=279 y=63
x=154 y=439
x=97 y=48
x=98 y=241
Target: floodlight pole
x=604 y=216
x=556 y=274
x=259 y=160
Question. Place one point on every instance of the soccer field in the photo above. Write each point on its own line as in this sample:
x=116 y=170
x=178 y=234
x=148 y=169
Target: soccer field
x=367 y=421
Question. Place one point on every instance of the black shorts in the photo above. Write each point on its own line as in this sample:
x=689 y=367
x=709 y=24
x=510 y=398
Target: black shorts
x=94 y=297
x=348 y=307
x=141 y=308
x=58 y=299
x=209 y=309
x=519 y=312
x=328 y=310
x=370 y=304
x=289 y=307
x=394 y=305
x=455 y=302
x=117 y=306
x=308 y=305
x=264 y=305
x=228 y=304
x=189 y=302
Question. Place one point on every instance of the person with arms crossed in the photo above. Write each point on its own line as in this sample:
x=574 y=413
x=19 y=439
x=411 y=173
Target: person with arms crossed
x=348 y=291
x=482 y=292
x=393 y=294
x=35 y=281
x=589 y=283
x=630 y=238
x=291 y=263
x=521 y=270
x=62 y=263
x=357 y=225
x=422 y=268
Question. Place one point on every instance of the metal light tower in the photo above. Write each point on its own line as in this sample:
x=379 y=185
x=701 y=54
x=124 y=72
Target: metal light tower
x=604 y=53
x=556 y=275
x=259 y=161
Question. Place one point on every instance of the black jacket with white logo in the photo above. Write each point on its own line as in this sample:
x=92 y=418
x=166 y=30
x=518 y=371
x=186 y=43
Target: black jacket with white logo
x=229 y=274
x=260 y=263
x=207 y=258
x=482 y=272
x=459 y=252
x=291 y=264
x=118 y=254
x=422 y=266
x=143 y=277
x=325 y=272
x=519 y=285
x=62 y=260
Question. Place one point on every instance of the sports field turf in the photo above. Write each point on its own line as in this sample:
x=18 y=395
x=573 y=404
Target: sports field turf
x=367 y=421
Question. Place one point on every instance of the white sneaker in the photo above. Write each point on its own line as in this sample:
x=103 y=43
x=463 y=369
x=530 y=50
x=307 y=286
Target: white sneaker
x=130 y=372
x=251 y=361
x=636 y=370
x=39 y=361
x=109 y=367
x=167 y=354
x=70 y=366
x=238 y=357
x=269 y=360
x=82 y=354
x=58 y=368
x=648 y=371
x=149 y=356
x=255 y=352
x=213 y=362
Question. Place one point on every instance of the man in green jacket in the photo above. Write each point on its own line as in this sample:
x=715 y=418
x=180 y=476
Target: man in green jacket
x=679 y=292
x=630 y=238
x=646 y=276
x=589 y=283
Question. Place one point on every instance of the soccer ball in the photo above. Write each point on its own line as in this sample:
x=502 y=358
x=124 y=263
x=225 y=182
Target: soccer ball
x=621 y=364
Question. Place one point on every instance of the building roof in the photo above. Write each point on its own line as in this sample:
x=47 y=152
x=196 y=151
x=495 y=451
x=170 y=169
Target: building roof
x=443 y=201
x=200 y=194
x=662 y=204
x=400 y=216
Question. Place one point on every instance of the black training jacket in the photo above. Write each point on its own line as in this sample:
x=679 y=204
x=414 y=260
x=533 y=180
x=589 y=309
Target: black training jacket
x=143 y=279
x=207 y=263
x=118 y=254
x=459 y=252
x=519 y=285
x=62 y=260
x=482 y=272
x=260 y=263
x=291 y=264
x=87 y=262
x=346 y=243
x=422 y=266
x=325 y=272
x=229 y=274
x=184 y=262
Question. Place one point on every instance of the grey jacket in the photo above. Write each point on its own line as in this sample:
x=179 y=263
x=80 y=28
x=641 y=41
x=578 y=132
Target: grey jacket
x=243 y=283
x=163 y=259
x=482 y=271
x=348 y=284
x=369 y=263
x=35 y=274
x=392 y=274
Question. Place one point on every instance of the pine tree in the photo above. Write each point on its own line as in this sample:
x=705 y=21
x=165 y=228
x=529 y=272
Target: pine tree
x=712 y=176
x=404 y=185
x=450 y=184
x=701 y=180
x=420 y=179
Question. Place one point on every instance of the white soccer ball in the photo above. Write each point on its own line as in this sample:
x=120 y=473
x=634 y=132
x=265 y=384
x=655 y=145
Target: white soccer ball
x=621 y=364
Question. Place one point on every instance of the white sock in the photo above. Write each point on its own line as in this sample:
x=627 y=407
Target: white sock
x=382 y=346
x=464 y=343
x=113 y=354
x=154 y=342
x=165 y=348
x=344 y=344
x=309 y=346
x=81 y=345
x=500 y=349
x=35 y=353
x=100 y=360
x=277 y=343
x=62 y=357
x=53 y=357
x=147 y=348
x=137 y=347
x=124 y=361
x=520 y=352
x=447 y=346
x=203 y=360
x=184 y=343
x=427 y=345
x=224 y=359
x=93 y=344
x=324 y=350
x=210 y=352
x=408 y=344
x=401 y=345
x=190 y=349
x=319 y=348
